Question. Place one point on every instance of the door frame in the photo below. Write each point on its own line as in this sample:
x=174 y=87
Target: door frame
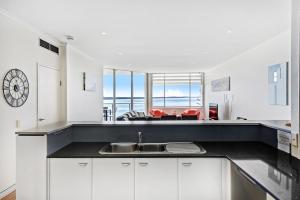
x=38 y=65
x=295 y=87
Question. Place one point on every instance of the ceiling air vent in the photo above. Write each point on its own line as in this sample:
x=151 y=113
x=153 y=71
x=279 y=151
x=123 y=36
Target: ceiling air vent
x=49 y=46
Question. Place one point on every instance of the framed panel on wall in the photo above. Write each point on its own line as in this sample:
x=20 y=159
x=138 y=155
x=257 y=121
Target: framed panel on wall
x=278 y=84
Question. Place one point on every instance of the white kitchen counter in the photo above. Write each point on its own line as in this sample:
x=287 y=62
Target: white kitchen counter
x=56 y=127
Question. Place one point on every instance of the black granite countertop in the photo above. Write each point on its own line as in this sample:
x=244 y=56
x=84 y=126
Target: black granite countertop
x=275 y=171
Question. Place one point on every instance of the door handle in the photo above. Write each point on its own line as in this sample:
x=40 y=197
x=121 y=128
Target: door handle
x=143 y=164
x=41 y=119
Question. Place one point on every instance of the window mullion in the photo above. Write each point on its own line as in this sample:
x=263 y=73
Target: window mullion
x=114 y=95
x=132 y=92
x=190 y=91
x=164 y=90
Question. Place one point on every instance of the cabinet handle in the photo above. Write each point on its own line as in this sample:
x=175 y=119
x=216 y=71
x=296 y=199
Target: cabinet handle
x=83 y=164
x=187 y=164
x=143 y=164
x=126 y=164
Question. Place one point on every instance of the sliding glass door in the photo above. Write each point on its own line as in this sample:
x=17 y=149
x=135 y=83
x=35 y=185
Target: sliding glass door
x=123 y=91
x=138 y=80
x=108 y=94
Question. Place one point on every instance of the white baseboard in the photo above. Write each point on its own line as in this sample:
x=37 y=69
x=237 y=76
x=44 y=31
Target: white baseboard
x=7 y=191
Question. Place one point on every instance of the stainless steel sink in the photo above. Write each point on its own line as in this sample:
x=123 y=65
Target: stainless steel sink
x=125 y=147
x=151 y=148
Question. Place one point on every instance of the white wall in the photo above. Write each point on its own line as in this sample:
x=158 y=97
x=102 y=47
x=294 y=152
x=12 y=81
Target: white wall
x=82 y=105
x=295 y=74
x=19 y=48
x=249 y=81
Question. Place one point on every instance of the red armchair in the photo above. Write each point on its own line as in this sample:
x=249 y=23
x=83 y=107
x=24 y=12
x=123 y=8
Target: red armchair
x=157 y=113
x=191 y=112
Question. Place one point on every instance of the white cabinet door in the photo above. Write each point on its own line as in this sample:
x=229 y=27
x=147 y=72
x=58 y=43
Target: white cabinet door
x=113 y=179
x=200 y=178
x=156 y=178
x=70 y=179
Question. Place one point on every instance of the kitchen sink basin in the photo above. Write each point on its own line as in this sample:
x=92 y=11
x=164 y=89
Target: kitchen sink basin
x=125 y=147
x=128 y=148
x=152 y=147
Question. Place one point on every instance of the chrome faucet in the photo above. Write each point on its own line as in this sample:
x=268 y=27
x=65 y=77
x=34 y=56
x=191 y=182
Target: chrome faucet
x=140 y=134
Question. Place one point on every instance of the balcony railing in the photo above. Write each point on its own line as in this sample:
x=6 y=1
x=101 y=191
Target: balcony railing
x=120 y=109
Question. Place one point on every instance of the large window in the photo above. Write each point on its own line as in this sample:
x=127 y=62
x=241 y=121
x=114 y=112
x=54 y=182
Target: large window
x=108 y=94
x=123 y=91
x=138 y=80
x=177 y=90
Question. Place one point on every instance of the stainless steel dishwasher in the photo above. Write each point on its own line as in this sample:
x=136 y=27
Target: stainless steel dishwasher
x=243 y=187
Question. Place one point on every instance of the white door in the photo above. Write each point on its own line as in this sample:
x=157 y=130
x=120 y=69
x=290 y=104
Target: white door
x=156 y=178
x=113 y=179
x=48 y=95
x=70 y=179
x=200 y=178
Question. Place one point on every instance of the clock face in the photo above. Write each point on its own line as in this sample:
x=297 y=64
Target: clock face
x=15 y=88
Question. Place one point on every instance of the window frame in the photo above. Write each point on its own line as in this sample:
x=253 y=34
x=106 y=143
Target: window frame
x=202 y=76
x=114 y=71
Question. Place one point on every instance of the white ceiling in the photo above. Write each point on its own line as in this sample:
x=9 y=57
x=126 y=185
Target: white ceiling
x=157 y=35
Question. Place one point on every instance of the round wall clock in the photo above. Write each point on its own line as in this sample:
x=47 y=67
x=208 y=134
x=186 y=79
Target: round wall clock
x=15 y=88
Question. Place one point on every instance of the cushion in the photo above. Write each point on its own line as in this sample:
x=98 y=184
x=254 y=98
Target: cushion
x=134 y=113
x=129 y=114
x=141 y=114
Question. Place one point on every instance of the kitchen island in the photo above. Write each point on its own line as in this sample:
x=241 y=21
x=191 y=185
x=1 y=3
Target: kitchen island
x=251 y=146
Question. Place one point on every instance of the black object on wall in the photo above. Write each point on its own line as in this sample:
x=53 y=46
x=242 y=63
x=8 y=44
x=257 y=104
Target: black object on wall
x=49 y=46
